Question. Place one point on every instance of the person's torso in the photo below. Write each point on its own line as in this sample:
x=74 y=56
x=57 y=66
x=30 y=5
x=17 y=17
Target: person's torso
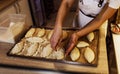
x=91 y=6
x=88 y=9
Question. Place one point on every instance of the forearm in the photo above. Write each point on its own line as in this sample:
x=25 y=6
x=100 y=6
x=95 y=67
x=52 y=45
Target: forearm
x=105 y=14
x=64 y=8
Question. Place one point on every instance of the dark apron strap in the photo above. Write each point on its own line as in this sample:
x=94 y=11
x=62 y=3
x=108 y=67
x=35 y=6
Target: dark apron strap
x=88 y=15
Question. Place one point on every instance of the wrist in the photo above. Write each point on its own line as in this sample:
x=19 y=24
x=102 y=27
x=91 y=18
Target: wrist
x=58 y=25
x=78 y=34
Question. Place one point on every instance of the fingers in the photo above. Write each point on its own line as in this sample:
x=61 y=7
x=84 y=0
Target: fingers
x=59 y=41
x=72 y=43
x=53 y=43
x=69 y=49
x=71 y=46
x=55 y=39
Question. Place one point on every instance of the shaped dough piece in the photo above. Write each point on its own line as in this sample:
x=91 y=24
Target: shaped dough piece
x=34 y=40
x=65 y=35
x=30 y=32
x=90 y=36
x=75 y=54
x=38 y=52
x=32 y=49
x=59 y=54
x=82 y=44
x=52 y=55
x=50 y=34
x=45 y=42
x=47 y=50
x=18 y=47
x=89 y=54
x=24 y=50
x=41 y=32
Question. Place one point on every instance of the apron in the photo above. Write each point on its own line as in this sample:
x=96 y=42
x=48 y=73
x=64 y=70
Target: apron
x=88 y=9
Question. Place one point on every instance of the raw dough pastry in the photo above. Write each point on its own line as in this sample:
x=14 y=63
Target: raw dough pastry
x=30 y=32
x=75 y=54
x=59 y=54
x=90 y=36
x=18 y=47
x=50 y=34
x=24 y=50
x=82 y=44
x=65 y=35
x=38 y=52
x=41 y=32
x=89 y=54
x=32 y=49
x=34 y=40
x=47 y=50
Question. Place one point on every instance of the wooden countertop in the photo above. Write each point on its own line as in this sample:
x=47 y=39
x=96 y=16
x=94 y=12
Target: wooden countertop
x=5 y=3
x=21 y=62
x=116 y=42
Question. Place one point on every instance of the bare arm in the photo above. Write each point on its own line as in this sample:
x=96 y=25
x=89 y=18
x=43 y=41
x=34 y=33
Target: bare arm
x=64 y=8
x=105 y=14
x=55 y=40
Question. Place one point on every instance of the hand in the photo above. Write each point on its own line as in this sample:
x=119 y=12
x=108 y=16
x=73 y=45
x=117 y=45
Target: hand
x=72 y=43
x=56 y=37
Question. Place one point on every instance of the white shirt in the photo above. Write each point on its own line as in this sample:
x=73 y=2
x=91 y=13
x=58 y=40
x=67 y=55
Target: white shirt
x=91 y=7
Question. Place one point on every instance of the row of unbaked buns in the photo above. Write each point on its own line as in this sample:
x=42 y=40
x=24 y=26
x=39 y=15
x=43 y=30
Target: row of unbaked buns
x=36 y=44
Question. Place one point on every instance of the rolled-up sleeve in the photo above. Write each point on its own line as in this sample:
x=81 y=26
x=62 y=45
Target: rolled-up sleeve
x=115 y=4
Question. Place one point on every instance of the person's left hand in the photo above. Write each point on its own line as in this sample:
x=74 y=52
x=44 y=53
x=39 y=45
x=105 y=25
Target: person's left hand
x=56 y=37
x=72 y=42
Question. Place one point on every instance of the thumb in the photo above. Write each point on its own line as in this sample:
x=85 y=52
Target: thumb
x=71 y=46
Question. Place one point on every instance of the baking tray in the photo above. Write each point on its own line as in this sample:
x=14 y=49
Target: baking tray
x=80 y=62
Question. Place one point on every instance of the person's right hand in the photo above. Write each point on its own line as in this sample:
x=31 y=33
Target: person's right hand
x=56 y=37
x=72 y=42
